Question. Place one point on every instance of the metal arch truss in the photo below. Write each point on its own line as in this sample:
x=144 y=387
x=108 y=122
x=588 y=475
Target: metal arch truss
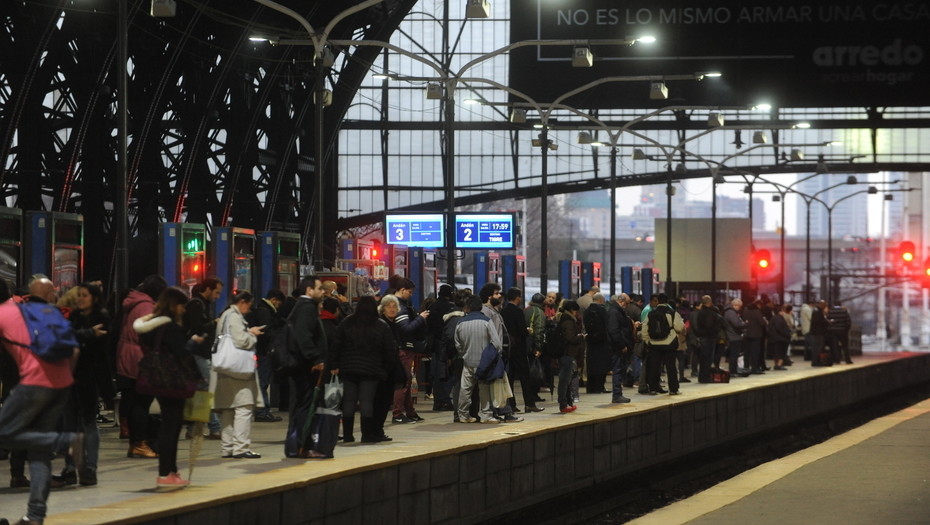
x=219 y=126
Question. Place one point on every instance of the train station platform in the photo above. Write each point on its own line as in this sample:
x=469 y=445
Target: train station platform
x=437 y=471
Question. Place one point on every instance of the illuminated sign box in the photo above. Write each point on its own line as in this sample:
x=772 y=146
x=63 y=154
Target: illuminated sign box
x=420 y=230
x=493 y=231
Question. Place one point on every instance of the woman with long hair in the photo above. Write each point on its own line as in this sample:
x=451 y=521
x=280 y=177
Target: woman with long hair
x=361 y=354
x=162 y=331
x=235 y=398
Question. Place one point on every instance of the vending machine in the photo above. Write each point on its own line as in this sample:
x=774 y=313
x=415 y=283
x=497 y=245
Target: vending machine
x=11 y=245
x=646 y=282
x=513 y=272
x=423 y=274
x=55 y=246
x=629 y=280
x=570 y=279
x=233 y=261
x=487 y=269
x=278 y=262
x=182 y=253
x=590 y=275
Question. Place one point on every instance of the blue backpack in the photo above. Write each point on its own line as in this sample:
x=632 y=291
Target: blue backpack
x=50 y=334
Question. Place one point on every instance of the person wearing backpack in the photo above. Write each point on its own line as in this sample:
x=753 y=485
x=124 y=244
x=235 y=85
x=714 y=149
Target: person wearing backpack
x=198 y=320
x=707 y=326
x=30 y=415
x=660 y=334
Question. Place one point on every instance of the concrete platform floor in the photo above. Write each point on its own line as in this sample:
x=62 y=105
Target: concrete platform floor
x=876 y=473
x=127 y=486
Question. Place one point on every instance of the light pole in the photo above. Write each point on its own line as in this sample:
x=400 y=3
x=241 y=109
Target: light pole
x=830 y=285
x=322 y=61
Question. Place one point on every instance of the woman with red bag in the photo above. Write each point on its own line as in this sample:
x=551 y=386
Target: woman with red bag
x=161 y=332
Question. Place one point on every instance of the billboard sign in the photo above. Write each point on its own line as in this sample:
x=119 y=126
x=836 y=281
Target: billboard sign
x=789 y=53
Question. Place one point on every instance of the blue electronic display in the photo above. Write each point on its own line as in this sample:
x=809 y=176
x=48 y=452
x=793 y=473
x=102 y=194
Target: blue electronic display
x=484 y=230
x=415 y=230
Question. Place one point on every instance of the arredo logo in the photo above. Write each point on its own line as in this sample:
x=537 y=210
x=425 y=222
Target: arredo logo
x=894 y=54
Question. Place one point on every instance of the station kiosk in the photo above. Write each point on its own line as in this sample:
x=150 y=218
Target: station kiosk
x=513 y=272
x=182 y=253
x=278 y=262
x=487 y=269
x=629 y=280
x=590 y=275
x=570 y=279
x=55 y=246
x=423 y=273
x=11 y=245
x=233 y=257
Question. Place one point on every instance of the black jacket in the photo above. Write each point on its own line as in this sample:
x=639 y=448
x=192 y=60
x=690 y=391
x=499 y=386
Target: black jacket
x=198 y=320
x=515 y=323
x=308 y=331
x=362 y=348
x=619 y=328
x=265 y=315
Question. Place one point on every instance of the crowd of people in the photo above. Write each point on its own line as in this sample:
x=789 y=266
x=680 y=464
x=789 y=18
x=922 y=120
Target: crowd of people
x=377 y=346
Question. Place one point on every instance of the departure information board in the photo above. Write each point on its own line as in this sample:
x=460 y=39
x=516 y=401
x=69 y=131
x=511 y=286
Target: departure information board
x=420 y=230
x=494 y=231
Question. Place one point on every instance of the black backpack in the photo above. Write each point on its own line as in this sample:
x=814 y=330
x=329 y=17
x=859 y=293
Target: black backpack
x=659 y=328
x=553 y=345
x=708 y=323
x=284 y=352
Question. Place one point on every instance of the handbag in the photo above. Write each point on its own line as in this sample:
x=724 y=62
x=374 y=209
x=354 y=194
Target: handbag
x=537 y=373
x=198 y=406
x=230 y=360
x=332 y=394
x=162 y=374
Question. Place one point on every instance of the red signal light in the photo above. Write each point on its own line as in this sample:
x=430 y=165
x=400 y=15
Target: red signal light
x=907 y=250
x=763 y=259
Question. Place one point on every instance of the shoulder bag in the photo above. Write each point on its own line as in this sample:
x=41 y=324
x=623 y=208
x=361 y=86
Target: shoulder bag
x=230 y=360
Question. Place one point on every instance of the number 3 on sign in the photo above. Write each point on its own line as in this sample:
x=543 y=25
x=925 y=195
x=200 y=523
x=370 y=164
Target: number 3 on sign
x=399 y=234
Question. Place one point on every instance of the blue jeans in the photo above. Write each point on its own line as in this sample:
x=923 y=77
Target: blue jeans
x=27 y=422
x=567 y=372
x=620 y=363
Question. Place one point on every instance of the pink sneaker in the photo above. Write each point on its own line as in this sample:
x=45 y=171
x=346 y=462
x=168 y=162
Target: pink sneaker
x=171 y=480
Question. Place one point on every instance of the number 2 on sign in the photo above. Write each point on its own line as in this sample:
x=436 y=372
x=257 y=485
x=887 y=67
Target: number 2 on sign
x=467 y=232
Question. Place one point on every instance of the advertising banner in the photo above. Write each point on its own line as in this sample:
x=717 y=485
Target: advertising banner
x=789 y=53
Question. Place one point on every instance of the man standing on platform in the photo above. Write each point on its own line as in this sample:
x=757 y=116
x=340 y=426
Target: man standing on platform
x=198 y=320
x=735 y=327
x=311 y=345
x=472 y=335
x=620 y=337
x=515 y=323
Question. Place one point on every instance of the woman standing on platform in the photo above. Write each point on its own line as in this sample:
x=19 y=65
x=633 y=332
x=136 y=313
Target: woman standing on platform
x=360 y=355
x=235 y=398
x=161 y=331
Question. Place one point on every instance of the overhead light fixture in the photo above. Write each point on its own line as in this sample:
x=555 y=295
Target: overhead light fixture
x=163 y=8
x=639 y=154
x=538 y=143
x=553 y=146
x=711 y=74
x=327 y=98
x=747 y=189
x=646 y=39
x=852 y=180
x=872 y=190
x=433 y=91
x=671 y=190
x=585 y=138
x=658 y=91
x=889 y=197
x=776 y=198
x=517 y=116
x=471 y=101
x=758 y=137
x=803 y=125
x=582 y=57
x=720 y=179
x=381 y=76
x=714 y=120
x=797 y=155
x=477 y=9
x=762 y=107
x=257 y=39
